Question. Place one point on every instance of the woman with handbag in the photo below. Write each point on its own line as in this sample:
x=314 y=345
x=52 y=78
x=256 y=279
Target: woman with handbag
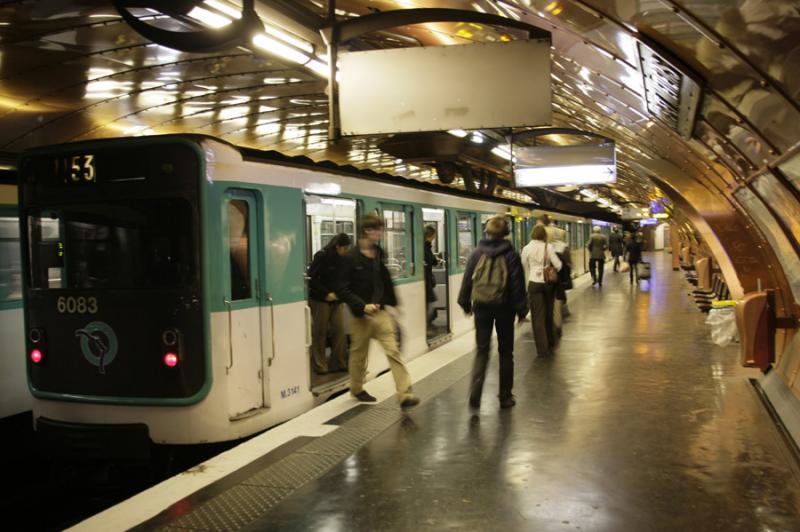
x=541 y=264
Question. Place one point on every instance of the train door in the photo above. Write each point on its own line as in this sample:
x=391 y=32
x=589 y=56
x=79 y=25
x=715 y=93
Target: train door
x=327 y=217
x=437 y=296
x=243 y=238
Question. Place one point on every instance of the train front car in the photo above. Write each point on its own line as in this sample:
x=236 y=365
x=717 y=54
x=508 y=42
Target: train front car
x=113 y=309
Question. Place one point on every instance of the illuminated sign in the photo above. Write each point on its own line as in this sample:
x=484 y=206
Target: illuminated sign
x=540 y=166
x=75 y=169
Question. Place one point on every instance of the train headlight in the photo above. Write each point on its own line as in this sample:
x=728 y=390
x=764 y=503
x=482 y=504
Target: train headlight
x=36 y=356
x=170 y=360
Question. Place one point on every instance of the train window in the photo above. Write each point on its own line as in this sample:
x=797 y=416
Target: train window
x=131 y=244
x=327 y=217
x=397 y=241
x=772 y=231
x=239 y=248
x=10 y=267
x=466 y=237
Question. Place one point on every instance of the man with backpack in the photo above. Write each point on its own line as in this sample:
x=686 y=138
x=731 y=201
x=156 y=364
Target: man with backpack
x=494 y=290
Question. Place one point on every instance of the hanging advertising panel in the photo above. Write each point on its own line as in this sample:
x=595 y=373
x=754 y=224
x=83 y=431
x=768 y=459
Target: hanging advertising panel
x=437 y=88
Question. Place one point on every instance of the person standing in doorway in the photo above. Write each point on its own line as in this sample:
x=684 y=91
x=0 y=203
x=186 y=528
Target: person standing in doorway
x=367 y=288
x=430 y=281
x=536 y=256
x=327 y=314
x=615 y=246
x=494 y=290
x=597 y=246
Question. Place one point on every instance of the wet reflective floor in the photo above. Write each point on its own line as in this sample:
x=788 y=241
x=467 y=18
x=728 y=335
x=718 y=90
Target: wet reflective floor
x=637 y=423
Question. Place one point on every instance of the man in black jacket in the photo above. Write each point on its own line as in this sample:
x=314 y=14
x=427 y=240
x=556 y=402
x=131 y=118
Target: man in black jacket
x=327 y=314
x=500 y=315
x=367 y=288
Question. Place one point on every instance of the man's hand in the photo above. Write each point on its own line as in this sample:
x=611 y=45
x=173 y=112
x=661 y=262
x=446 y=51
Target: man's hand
x=331 y=296
x=371 y=308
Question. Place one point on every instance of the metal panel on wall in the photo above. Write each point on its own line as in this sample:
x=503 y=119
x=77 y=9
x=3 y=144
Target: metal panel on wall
x=436 y=88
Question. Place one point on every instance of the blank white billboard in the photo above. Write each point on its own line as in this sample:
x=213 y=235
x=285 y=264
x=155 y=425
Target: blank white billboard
x=543 y=166
x=436 y=88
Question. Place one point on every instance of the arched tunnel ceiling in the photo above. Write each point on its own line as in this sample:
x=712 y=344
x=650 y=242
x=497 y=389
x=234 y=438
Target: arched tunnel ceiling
x=73 y=70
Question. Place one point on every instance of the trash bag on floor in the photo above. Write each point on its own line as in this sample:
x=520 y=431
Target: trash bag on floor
x=723 y=325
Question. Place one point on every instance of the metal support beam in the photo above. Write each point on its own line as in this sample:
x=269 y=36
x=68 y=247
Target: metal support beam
x=234 y=34
x=540 y=132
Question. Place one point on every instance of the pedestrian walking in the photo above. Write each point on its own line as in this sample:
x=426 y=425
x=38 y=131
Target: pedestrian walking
x=493 y=290
x=616 y=246
x=367 y=288
x=537 y=255
x=597 y=246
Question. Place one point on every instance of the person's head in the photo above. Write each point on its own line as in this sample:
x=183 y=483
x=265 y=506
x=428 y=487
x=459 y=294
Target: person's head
x=497 y=227
x=341 y=243
x=539 y=233
x=545 y=219
x=615 y=229
x=430 y=233
x=372 y=227
x=596 y=229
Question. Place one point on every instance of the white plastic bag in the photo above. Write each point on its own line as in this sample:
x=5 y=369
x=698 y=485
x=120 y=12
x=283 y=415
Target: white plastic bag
x=723 y=325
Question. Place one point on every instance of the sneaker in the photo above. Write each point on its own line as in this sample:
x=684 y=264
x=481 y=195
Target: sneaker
x=507 y=402
x=365 y=397
x=410 y=401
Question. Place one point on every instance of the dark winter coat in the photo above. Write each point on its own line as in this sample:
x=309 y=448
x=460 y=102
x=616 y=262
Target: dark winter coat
x=430 y=280
x=515 y=295
x=324 y=274
x=615 y=244
x=364 y=280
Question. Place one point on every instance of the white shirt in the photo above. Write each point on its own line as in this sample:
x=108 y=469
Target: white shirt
x=533 y=260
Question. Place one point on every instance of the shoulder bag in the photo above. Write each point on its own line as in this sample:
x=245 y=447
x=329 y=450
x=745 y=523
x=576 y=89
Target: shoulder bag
x=549 y=271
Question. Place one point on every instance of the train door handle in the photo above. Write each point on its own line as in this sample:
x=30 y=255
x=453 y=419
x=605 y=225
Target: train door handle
x=230 y=338
x=307 y=311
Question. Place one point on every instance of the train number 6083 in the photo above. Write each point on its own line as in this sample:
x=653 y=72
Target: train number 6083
x=76 y=305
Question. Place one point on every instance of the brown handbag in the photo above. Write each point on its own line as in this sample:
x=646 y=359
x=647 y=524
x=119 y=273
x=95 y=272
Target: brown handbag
x=549 y=272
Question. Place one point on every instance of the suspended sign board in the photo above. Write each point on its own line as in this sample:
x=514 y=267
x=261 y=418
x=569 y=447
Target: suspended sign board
x=436 y=88
x=634 y=213
x=544 y=166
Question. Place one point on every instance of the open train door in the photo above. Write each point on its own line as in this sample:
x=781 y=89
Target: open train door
x=437 y=287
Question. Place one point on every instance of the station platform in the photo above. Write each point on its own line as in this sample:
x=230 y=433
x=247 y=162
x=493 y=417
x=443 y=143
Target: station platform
x=638 y=422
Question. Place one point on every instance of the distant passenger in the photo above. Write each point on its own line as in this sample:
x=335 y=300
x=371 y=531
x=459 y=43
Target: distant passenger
x=597 y=246
x=368 y=290
x=537 y=255
x=430 y=281
x=560 y=309
x=633 y=254
x=616 y=246
x=554 y=234
x=327 y=313
x=494 y=290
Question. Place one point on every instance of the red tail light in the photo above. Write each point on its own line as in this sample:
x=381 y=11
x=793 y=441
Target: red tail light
x=170 y=360
x=36 y=356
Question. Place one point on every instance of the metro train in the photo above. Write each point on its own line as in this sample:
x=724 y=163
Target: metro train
x=14 y=395
x=165 y=295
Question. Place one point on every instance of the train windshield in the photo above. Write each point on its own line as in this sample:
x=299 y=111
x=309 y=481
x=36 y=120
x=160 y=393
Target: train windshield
x=114 y=245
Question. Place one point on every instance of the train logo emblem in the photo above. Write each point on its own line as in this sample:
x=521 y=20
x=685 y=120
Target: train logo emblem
x=98 y=344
